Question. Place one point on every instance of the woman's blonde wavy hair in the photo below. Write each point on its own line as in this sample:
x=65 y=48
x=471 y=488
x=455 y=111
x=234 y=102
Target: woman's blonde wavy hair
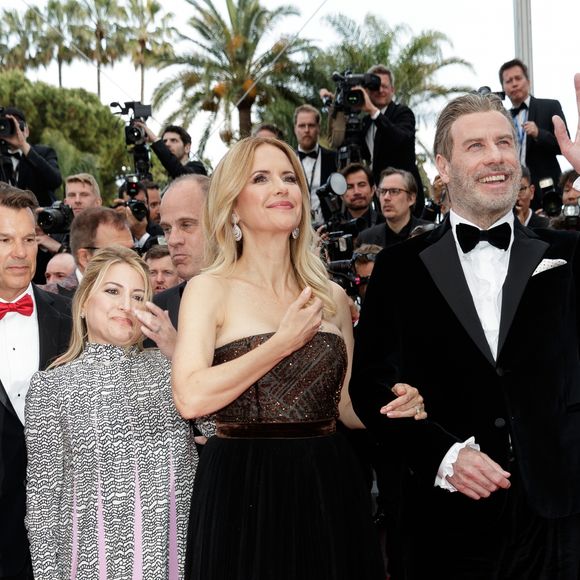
x=221 y=249
x=93 y=276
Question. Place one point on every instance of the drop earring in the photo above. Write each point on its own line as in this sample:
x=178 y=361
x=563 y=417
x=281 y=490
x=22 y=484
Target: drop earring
x=236 y=231
x=295 y=233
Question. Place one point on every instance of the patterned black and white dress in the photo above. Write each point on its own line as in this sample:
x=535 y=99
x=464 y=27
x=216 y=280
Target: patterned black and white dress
x=111 y=467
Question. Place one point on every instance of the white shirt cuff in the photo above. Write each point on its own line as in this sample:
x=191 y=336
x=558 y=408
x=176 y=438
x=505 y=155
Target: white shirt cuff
x=446 y=466
x=376 y=114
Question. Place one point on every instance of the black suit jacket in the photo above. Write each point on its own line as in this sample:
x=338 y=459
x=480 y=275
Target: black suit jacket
x=54 y=325
x=39 y=172
x=172 y=165
x=394 y=145
x=383 y=236
x=531 y=394
x=538 y=221
x=169 y=300
x=541 y=152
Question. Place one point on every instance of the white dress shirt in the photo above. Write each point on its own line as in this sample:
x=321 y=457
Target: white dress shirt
x=519 y=120
x=312 y=170
x=371 y=133
x=19 y=353
x=485 y=270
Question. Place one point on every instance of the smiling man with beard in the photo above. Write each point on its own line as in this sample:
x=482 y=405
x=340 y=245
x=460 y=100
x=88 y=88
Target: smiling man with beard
x=493 y=485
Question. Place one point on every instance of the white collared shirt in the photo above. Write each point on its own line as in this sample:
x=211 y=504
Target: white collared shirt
x=312 y=170
x=485 y=270
x=519 y=120
x=19 y=353
x=372 y=131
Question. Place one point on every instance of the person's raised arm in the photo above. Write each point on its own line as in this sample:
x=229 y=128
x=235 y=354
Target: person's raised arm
x=570 y=149
x=200 y=388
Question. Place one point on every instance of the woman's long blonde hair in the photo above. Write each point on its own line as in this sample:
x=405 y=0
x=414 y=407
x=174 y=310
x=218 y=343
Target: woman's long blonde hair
x=221 y=249
x=93 y=276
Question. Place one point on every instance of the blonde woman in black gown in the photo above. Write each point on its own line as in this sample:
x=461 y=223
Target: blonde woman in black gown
x=265 y=343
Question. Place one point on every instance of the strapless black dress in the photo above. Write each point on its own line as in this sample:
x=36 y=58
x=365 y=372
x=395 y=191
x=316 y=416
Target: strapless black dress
x=278 y=493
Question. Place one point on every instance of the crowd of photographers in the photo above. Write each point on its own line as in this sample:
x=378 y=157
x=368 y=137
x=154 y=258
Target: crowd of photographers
x=366 y=191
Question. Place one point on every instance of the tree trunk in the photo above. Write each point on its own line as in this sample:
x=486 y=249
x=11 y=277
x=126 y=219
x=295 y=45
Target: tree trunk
x=59 y=62
x=142 y=66
x=99 y=79
x=245 y=114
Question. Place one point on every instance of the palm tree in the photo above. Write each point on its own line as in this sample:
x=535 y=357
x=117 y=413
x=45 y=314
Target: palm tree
x=103 y=40
x=226 y=67
x=53 y=33
x=16 y=44
x=148 y=35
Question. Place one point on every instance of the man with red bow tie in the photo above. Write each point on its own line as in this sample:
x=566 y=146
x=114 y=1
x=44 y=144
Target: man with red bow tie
x=34 y=329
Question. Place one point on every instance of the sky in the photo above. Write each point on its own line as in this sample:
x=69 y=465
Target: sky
x=480 y=32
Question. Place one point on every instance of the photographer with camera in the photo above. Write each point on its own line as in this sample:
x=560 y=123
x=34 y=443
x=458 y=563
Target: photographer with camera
x=359 y=196
x=397 y=195
x=388 y=132
x=173 y=149
x=28 y=167
x=135 y=203
x=522 y=208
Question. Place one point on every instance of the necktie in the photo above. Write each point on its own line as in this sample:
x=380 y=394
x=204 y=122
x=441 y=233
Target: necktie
x=23 y=306
x=303 y=154
x=469 y=236
x=515 y=110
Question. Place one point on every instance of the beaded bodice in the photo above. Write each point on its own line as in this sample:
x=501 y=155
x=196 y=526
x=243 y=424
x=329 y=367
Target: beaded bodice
x=304 y=387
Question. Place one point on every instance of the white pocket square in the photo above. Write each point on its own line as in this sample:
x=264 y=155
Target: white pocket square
x=547 y=264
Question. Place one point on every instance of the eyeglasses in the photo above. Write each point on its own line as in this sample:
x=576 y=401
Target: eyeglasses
x=392 y=191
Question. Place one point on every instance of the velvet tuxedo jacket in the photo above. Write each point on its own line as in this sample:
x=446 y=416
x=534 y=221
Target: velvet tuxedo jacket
x=530 y=394
x=54 y=325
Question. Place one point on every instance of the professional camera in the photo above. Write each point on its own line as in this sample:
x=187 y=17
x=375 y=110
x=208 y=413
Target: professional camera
x=347 y=97
x=485 y=90
x=551 y=199
x=55 y=219
x=135 y=137
x=339 y=244
x=571 y=216
x=342 y=272
x=7 y=126
x=138 y=208
x=347 y=124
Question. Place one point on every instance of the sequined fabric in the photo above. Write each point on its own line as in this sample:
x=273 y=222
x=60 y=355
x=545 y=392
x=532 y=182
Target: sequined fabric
x=303 y=387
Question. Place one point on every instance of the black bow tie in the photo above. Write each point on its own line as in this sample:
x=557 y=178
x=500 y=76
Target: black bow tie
x=16 y=154
x=515 y=110
x=303 y=154
x=469 y=236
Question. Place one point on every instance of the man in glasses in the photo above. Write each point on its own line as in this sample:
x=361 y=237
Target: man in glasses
x=522 y=208
x=397 y=194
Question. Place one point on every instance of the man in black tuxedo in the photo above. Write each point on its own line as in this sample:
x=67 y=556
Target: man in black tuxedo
x=493 y=486
x=34 y=167
x=537 y=144
x=318 y=163
x=34 y=329
x=388 y=132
